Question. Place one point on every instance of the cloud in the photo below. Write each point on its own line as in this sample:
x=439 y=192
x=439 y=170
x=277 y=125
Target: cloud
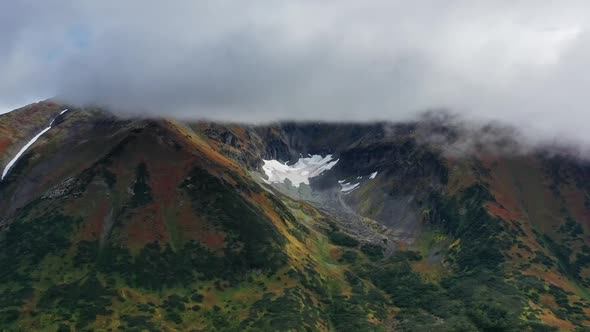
x=521 y=63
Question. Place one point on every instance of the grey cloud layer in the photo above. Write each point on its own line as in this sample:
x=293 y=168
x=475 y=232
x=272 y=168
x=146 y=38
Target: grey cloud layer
x=523 y=63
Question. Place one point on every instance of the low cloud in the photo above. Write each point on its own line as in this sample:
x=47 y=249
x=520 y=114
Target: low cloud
x=519 y=63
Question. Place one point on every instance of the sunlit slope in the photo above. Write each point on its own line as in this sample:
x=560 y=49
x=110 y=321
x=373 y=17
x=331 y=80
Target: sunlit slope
x=545 y=204
x=17 y=127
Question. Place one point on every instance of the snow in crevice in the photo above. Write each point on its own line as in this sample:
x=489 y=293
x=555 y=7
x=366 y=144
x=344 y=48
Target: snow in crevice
x=298 y=173
x=27 y=146
x=348 y=187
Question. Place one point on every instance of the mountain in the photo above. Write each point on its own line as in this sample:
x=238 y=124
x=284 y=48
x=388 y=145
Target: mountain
x=131 y=224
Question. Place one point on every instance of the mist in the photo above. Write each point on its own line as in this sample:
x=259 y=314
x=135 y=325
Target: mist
x=522 y=64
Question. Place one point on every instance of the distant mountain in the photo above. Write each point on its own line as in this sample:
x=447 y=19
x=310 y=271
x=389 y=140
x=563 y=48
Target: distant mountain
x=159 y=225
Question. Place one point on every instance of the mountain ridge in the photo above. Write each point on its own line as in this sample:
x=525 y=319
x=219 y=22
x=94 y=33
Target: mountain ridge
x=165 y=225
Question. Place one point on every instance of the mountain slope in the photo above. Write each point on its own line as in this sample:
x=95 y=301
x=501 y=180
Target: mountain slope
x=150 y=231
x=138 y=224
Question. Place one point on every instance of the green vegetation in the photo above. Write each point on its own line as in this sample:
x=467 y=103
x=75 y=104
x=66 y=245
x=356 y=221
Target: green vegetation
x=79 y=301
x=476 y=296
x=373 y=251
x=22 y=248
x=343 y=239
x=482 y=237
x=293 y=311
x=252 y=241
x=349 y=313
x=571 y=228
x=349 y=257
x=142 y=193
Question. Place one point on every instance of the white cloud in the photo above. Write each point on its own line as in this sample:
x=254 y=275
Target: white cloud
x=517 y=62
x=5 y=108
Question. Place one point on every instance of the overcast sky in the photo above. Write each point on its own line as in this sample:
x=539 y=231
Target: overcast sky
x=524 y=63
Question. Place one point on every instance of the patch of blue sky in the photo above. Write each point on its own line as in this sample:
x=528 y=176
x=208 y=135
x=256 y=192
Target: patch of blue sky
x=76 y=38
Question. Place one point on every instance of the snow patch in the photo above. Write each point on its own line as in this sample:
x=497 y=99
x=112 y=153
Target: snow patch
x=373 y=175
x=298 y=173
x=346 y=187
x=27 y=146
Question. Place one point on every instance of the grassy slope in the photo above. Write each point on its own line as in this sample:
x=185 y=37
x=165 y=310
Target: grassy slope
x=514 y=196
x=17 y=127
x=550 y=220
x=480 y=256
